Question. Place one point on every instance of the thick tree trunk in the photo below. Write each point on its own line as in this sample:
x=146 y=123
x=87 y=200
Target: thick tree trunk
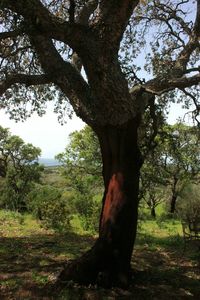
x=108 y=262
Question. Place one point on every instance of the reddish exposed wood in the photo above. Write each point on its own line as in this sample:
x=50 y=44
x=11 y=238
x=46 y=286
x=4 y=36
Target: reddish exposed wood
x=108 y=262
x=114 y=198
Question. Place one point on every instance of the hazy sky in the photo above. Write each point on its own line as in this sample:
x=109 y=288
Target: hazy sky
x=45 y=132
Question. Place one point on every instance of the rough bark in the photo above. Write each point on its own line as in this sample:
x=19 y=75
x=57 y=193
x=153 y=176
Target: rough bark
x=108 y=262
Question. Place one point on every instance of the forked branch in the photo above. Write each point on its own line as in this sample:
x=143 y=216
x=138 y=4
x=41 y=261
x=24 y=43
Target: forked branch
x=113 y=19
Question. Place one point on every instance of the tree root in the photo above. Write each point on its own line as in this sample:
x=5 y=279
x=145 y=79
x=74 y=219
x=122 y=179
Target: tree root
x=95 y=268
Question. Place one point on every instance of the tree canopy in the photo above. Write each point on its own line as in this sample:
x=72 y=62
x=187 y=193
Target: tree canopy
x=44 y=45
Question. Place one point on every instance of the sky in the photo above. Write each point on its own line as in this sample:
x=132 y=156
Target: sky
x=43 y=132
x=50 y=136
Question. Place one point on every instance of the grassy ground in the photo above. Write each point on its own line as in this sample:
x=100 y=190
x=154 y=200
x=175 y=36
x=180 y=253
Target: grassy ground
x=31 y=258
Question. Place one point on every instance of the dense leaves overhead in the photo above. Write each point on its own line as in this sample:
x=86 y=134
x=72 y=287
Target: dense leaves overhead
x=45 y=44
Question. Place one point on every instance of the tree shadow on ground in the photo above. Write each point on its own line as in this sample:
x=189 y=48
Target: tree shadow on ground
x=29 y=266
x=162 y=270
x=166 y=268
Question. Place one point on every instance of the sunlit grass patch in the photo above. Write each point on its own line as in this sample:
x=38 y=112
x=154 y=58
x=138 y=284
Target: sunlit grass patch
x=14 y=224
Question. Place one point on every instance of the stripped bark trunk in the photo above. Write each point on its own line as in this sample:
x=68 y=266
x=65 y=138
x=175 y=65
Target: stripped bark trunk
x=108 y=262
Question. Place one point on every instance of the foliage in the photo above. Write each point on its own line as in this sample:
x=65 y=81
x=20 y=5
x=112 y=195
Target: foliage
x=174 y=160
x=179 y=157
x=50 y=207
x=157 y=43
x=88 y=210
x=188 y=204
x=19 y=170
x=152 y=182
x=82 y=169
x=175 y=156
x=82 y=153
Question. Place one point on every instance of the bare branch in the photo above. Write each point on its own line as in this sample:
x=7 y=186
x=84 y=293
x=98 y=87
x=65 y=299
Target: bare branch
x=192 y=97
x=196 y=112
x=172 y=15
x=192 y=44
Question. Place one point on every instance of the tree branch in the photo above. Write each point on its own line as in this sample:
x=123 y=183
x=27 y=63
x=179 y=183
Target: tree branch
x=83 y=19
x=193 y=43
x=195 y=69
x=38 y=19
x=113 y=19
x=167 y=13
x=22 y=79
x=196 y=28
x=65 y=76
x=196 y=112
x=158 y=86
x=72 y=11
x=86 y=12
x=10 y=34
x=173 y=15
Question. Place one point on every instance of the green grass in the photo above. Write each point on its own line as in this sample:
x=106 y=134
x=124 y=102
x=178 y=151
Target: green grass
x=31 y=257
x=14 y=224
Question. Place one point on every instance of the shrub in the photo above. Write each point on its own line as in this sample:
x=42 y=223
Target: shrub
x=87 y=207
x=50 y=207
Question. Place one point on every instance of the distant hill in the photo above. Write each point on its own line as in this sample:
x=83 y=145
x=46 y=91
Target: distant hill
x=49 y=162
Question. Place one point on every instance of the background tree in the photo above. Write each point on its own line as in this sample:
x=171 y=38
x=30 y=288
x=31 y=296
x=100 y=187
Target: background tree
x=152 y=182
x=19 y=169
x=179 y=158
x=44 y=45
x=81 y=166
x=173 y=162
x=49 y=205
